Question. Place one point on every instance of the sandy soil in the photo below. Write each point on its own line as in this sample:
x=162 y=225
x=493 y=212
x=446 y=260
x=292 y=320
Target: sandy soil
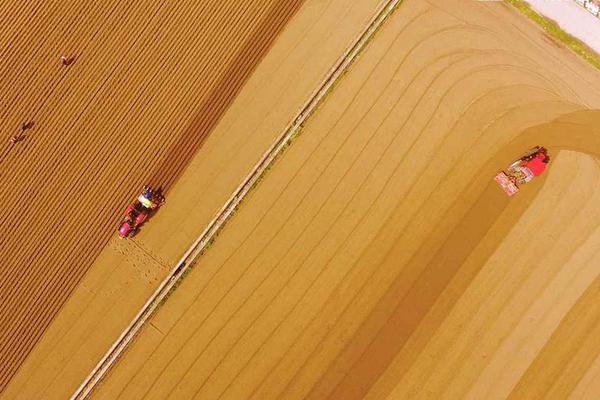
x=126 y=272
x=150 y=81
x=378 y=259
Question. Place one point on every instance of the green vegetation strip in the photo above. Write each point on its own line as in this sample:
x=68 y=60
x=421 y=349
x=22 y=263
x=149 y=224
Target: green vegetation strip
x=556 y=32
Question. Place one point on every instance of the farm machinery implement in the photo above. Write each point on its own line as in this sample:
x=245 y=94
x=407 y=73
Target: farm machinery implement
x=138 y=211
x=523 y=170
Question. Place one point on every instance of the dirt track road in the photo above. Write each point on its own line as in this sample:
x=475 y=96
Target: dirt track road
x=150 y=81
x=379 y=260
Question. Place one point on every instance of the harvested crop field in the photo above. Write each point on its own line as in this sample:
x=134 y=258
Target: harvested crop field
x=126 y=272
x=378 y=259
x=149 y=81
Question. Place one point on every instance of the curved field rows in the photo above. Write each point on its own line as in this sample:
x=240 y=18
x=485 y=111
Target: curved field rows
x=149 y=82
x=378 y=258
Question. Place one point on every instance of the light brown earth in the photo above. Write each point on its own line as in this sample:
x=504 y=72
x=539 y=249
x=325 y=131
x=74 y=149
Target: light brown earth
x=378 y=259
x=149 y=82
x=126 y=272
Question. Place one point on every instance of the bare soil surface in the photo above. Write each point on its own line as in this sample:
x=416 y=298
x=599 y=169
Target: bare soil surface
x=378 y=259
x=149 y=82
x=125 y=272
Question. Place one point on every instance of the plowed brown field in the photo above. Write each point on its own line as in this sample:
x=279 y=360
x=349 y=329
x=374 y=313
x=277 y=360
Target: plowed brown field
x=150 y=81
x=126 y=272
x=378 y=259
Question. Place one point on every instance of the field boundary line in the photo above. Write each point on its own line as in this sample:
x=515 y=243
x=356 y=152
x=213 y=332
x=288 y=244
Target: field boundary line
x=222 y=216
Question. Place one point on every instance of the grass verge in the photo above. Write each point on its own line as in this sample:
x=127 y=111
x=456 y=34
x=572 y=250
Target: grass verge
x=556 y=32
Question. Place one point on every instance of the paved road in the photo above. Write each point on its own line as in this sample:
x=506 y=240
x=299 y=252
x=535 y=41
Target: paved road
x=572 y=18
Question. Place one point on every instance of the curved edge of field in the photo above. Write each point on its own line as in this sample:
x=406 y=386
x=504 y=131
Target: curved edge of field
x=454 y=265
x=100 y=128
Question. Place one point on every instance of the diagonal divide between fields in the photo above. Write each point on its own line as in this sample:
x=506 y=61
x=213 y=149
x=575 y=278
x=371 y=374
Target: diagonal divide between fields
x=221 y=218
x=99 y=108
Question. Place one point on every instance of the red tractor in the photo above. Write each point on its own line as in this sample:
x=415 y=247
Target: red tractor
x=532 y=164
x=137 y=212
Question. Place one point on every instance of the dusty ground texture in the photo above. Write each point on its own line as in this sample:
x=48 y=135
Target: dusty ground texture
x=126 y=272
x=573 y=18
x=378 y=259
x=149 y=82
